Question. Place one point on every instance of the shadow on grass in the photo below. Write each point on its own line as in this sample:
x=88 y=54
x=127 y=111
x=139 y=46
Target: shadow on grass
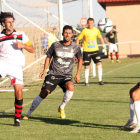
x=58 y=121
x=96 y=83
x=74 y=123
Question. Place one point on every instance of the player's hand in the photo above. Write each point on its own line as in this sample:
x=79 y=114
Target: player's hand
x=19 y=44
x=42 y=74
x=104 y=50
x=77 y=78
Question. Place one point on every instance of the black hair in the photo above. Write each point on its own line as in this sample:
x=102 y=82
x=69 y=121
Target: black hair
x=91 y=19
x=4 y=15
x=67 y=27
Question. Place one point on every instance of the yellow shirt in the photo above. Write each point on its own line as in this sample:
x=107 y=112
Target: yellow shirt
x=51 y=39
x=90 y=39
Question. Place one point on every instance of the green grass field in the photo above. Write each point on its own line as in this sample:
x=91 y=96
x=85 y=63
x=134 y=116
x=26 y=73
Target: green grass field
x=94 y=112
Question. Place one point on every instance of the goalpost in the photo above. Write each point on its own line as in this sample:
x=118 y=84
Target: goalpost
x=31 y=17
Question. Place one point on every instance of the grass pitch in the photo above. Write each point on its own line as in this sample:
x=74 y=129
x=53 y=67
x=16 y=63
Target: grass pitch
x=94 y=112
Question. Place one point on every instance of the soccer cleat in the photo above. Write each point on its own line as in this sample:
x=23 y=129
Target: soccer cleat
x=26 y=117
x=118 y=61
x=136 y=129
x=86 y=84
x=112 y=61
x=101 y=83
x=17 y=122
x=62 y=113
x=128 y=125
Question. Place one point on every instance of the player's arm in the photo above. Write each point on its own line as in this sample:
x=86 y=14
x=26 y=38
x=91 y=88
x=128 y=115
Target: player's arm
x=77 y=77
x=48 y=39
x=105 y=39
x=115 y=30
x=80 y=62
x=47 y=62
x=80 y=36
x=27 y=46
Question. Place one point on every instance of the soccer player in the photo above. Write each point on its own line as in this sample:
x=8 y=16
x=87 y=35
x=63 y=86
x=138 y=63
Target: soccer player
x=51 y=40
x=112 y=45
x=134 y=121
x=90 y=49
x=12 y=59
x=60 y=71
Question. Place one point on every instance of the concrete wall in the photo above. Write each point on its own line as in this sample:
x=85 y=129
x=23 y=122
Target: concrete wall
x=126 y=17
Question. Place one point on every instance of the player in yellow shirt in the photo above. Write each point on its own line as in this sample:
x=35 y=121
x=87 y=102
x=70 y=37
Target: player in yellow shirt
x=90 y=49
x=51 y=40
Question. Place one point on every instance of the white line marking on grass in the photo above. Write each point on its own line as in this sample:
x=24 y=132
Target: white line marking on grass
x=9 y=110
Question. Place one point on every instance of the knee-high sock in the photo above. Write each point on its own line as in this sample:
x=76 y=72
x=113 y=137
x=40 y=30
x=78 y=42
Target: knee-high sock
x=132 y=111
x=137 y=111
x=117 y=55
x=111 y=56
x=67 y=96
x=86 y=75
x=34 y=105
x=99 y=70
x=18 y=108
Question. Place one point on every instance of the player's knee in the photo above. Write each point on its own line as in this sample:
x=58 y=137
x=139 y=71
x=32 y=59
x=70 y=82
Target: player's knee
x=71 y=87
x=44 y=93
x=18 y=94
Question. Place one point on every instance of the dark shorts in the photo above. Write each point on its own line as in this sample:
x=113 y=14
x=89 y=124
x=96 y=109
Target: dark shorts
x=51 y=81
x=87 y=56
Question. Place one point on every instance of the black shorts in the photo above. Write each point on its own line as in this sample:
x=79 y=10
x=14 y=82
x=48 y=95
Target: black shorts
x=88 y=55
x=51 y=81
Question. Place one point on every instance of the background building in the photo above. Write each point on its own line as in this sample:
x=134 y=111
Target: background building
x=125 y=15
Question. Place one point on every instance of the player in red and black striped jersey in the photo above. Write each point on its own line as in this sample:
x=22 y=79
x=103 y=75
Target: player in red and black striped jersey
x=12 y=59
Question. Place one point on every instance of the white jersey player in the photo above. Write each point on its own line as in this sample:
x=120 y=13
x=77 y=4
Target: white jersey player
x=12 y=59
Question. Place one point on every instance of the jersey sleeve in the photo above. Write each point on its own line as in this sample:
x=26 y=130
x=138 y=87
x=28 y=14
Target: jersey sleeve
x=99 y=34
x=79 y=53
x=25 y=39
x=81 y=35
x=107 y=35
x=50 y=51
x=114 y=32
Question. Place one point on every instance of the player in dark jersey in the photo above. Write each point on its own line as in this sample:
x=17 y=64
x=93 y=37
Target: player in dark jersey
x=112 y=45
x=60 y=70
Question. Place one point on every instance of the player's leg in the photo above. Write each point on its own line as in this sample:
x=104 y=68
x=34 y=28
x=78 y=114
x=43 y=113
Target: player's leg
x=97 y=59
x=18 y=103
x=48 y=86
x=132 y=122
x=87 y=60
x=68 y=88
x=16 y=75
x=135 y=94
x=111 y=52
x=116 y=53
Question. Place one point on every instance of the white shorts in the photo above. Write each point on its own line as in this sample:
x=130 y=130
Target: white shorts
x=13 y=72
x=113 y=47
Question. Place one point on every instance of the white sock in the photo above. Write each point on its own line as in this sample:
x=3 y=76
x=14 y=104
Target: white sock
x=99 y=70
x=132 y=111
x=86 y=75
x=137 y=111
x=34 y=105
x=67 y=96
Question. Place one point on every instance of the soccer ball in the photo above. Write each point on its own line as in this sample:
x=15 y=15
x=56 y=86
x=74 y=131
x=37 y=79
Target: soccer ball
x=105 y=25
